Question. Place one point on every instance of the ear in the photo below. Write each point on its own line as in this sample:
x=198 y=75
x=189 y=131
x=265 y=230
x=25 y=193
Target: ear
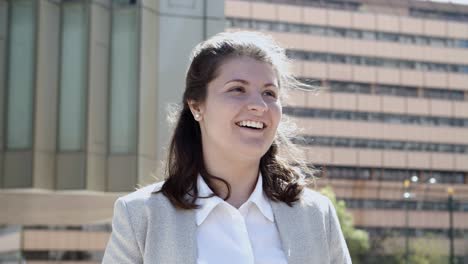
x=196 y=109
x=194 y=106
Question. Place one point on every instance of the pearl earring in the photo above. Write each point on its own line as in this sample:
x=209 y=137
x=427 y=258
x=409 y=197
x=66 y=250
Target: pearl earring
x=197 y=117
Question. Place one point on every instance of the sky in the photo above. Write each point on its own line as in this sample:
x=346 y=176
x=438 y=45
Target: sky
x=465 y=2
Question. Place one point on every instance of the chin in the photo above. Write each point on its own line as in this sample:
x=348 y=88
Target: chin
x=253 y=153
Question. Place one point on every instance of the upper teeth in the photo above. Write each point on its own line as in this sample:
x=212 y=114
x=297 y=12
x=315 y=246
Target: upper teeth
x=251 y=124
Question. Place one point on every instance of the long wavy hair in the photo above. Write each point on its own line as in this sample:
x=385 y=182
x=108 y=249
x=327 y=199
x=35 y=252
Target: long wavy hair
x=282 y=168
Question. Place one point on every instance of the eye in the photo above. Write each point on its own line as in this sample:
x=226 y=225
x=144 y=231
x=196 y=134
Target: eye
x=237 y=89
x=270 y=93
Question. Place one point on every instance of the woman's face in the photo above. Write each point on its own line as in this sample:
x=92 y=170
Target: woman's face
x=242 y=110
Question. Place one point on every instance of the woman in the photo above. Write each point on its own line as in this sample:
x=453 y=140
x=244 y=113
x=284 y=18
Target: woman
x=229 y=195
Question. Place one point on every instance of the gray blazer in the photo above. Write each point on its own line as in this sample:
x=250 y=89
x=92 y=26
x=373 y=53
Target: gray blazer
x=146 y=228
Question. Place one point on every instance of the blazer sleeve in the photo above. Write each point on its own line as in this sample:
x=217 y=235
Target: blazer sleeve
x=122 y=246
x=339 y=253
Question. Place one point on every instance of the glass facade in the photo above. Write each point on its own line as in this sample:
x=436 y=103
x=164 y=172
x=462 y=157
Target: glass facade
x=376 y=61
x=124 y=80
x=312 y=140
x=439 y=14
x=384 y=89
x=372 y=204
x=333 y=4
x=388 y=174
x=73 y=76
x=412 y=232
x=20 y=74
x=376 y=117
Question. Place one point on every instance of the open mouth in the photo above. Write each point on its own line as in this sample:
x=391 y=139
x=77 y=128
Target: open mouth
x=254 y=125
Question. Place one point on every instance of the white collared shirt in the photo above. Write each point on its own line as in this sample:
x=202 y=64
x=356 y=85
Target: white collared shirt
x=247 y=235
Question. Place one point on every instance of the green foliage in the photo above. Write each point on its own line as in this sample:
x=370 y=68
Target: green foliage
x=423 y=250
x=357 y=240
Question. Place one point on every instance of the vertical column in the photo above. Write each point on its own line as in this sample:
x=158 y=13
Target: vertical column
x=73 y=91
x=46 y=85
x=3 y=42
x=147 y=130
x=21 y=58
x=124 y=91
x=98 y=72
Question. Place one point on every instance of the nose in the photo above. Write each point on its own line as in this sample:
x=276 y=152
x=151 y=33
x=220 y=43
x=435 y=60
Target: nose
x=257 y=104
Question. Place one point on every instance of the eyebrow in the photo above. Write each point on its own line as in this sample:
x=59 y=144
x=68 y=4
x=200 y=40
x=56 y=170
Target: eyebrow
x=246 y=82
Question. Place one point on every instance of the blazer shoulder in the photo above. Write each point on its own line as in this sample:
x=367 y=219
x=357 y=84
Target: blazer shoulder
x=315 y=200
x=139 y=196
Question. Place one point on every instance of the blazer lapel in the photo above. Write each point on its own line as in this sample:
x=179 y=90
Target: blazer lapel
x=187 y=240
x=171 y=233
x=289 y=221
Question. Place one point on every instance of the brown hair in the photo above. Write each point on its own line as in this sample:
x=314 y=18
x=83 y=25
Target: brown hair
x=283 y=174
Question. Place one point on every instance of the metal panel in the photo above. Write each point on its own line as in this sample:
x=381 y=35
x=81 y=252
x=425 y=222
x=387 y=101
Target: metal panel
x=71 y=168
x=122 y=173
x=18 y=169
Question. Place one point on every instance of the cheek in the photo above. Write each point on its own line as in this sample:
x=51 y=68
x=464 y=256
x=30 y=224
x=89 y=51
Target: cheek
x=219 y=117
x=277 y=112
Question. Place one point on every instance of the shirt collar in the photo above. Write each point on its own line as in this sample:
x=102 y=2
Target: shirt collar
x=259 y=198
x=208 y=204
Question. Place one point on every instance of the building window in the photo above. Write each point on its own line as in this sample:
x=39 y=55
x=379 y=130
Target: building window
x=400 y=204
x=374 y=61
x=73 y=84
x=379 y=144
x=20 y=89
x=386 y=174
x=444 y=94
x=124 y=80
x=437 y=14
x=375 y=117
x=396 y=90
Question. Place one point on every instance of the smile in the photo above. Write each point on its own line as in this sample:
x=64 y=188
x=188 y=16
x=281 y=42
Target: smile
x=251 y=124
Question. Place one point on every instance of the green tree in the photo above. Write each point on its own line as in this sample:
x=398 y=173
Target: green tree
x=357 y=240
x=423 y=250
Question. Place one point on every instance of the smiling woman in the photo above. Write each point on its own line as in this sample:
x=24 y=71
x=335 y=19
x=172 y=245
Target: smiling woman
x=230 y=196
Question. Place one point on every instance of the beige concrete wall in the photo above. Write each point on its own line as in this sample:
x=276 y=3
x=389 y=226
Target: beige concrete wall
x=45 y=113
x=268 y=11
x=417 y=219
x=64 y=240
x=386 y=158
x=98 y=76
x=52 y=208
x=380 y=104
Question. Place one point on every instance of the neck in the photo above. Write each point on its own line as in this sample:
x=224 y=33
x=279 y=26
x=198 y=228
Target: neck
x=242 y=176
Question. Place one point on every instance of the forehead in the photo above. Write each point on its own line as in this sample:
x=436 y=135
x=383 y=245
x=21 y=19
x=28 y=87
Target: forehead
x=246 y=68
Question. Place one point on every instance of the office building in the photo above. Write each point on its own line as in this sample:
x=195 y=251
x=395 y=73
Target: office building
x=392 y=105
